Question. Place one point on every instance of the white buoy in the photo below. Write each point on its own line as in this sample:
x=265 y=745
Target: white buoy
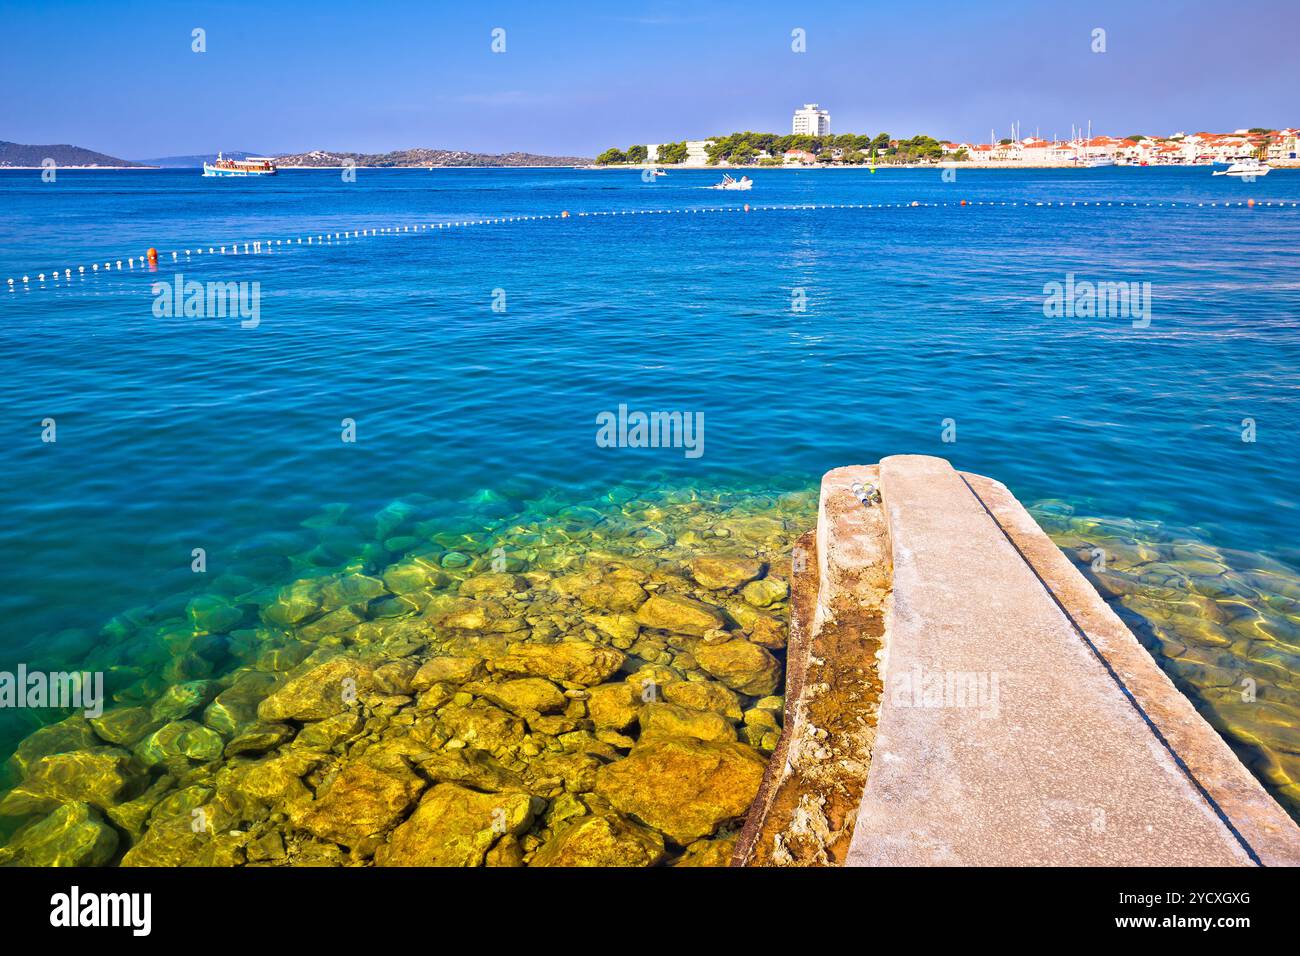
x=119 y=264
x=174 y=256
x=41 y=277
x=67 y=273
x=11 y=281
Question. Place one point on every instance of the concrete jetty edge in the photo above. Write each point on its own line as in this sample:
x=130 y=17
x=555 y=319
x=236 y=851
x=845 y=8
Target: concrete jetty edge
x=959 y=694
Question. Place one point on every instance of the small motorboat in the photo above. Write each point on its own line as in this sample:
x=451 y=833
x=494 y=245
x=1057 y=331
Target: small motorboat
x=744 y=182
x=659 y=172
x=1245 y=168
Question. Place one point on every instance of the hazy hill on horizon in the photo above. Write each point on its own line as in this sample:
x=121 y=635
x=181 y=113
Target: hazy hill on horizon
x=68 y=156
x=63 y=154
x=422 y=156
x=197 y=160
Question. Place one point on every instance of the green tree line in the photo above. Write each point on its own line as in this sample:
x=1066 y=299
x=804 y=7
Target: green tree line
x=741 y=149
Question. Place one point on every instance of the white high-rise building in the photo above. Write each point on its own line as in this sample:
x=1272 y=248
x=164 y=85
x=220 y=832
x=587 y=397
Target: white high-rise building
x=811 y=121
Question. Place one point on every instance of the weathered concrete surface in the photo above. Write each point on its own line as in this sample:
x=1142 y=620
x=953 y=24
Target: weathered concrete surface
x=807 y=804
x=1258 y=819
x=1006 y=737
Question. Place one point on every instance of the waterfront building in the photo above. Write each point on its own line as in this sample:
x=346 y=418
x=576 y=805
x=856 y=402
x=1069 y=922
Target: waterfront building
x=811 y=121
x=697 y=152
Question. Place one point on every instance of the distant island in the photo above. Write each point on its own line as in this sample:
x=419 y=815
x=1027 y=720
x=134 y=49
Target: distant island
x=19 y=156
x=425 y=157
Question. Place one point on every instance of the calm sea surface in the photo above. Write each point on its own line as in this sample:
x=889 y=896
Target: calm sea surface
x=182 y=433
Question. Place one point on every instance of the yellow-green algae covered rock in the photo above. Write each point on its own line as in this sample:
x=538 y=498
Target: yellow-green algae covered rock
x=323 y=691
x=724 y=573
x=606 y=840
x=671 y=720
x=742 y=666
x=683 y=787
x=365 y=800
x=100 y=776
x=681 y=615
x=580 y=662
x=454 y=826
x=73 y=835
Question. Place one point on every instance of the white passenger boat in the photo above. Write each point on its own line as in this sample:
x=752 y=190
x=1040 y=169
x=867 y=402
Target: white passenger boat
x=744 y=182
x=252 y=166
x=1245 y=168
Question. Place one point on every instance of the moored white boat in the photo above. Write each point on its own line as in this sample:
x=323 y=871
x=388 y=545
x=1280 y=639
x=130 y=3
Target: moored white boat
x=1245 y=168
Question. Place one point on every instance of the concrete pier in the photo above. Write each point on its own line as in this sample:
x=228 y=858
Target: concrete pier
x=1004 y=715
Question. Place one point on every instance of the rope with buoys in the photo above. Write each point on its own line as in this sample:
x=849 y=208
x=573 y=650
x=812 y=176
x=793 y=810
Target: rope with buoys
x=262 y=246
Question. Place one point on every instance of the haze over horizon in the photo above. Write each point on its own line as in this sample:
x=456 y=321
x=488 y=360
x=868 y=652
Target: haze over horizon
x=124 y=80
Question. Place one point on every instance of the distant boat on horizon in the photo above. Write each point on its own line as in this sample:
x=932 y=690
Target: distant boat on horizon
x=251 y=166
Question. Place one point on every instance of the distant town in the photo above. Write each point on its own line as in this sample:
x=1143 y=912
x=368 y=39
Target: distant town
x=810 y=142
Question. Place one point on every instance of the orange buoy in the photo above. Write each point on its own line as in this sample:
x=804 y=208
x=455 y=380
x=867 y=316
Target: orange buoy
x=1250 y=202
x=963 y=202
x=564 y=214
x=153 y=255
x=746 y=207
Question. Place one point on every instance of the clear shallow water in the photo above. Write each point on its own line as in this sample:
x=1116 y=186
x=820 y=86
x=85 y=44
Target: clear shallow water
x=180 y=433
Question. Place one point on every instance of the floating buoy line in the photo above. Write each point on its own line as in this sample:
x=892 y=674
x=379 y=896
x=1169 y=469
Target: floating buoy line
x=151 y=259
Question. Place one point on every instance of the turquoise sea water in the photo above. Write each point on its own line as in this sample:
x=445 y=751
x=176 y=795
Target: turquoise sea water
x=181 y=433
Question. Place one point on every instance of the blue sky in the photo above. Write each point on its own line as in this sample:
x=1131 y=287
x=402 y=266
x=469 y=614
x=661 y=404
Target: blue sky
x=578 y=76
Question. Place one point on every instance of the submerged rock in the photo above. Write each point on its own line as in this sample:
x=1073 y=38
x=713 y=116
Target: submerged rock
x=684 y=788
x=681 y=615
x=742 y=666
x=452 y=670
x=469 y=767
x=481 y=724
x=709 y=852
x=366 y=800
x=214 y=614
x=180 y=700
x=454 y=826
x=613 y=706
x=605 y=840
x=100 y=776
x=766 y=592
x=722 y=573
x=577 y=661
x=614 y=595
x=670 y=720
x=524 y=695
x=236 y=706
x=181 y=739
x=259 y=739
x=704 y=695
x=125 y=726
x=73 y=835
x=325 y=690
x=74 y=733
